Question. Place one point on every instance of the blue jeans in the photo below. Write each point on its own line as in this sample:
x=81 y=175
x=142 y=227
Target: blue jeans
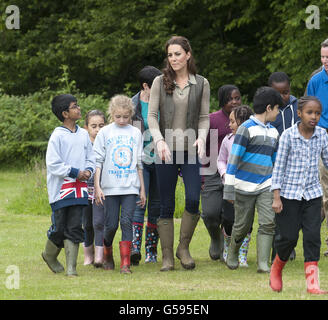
x=152 y=193
x=87 y=225
x=93 y=224
x=167 y=175
x=113 y=205
x=98 y=216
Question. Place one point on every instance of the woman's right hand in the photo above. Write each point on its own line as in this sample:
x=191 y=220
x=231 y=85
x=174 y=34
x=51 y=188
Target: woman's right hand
x=163 y=151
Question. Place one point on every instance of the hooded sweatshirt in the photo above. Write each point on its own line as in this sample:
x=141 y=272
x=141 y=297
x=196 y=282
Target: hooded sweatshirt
x=67 y=153
x=287 y=116
x=118 y=153
x=251 y=159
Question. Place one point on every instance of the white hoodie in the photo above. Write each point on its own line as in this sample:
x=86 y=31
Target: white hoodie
x=118 y=153
x=67 y=153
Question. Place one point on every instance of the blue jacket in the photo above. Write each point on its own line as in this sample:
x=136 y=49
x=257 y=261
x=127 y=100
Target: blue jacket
x=287 y=116
x=318 y=87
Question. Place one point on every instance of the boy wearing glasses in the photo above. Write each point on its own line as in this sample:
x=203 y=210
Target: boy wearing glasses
x=70 y=163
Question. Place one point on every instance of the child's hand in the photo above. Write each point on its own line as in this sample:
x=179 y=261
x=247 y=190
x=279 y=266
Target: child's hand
x=277 y=205
x=84 y=175
x=99 y=196
x=142 y=201
x=80 y=176
x=87 y=174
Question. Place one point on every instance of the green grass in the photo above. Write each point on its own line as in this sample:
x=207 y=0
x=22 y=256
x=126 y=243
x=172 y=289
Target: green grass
x=33 y=197
x=23 y=236
x=33 y=185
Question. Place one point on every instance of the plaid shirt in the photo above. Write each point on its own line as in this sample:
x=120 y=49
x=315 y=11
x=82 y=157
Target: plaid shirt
x=296 y=170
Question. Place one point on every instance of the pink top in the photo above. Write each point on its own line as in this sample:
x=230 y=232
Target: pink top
x=224 y=154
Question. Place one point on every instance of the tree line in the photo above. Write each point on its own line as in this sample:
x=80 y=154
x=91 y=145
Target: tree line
x=95 y=48
x=105 y=43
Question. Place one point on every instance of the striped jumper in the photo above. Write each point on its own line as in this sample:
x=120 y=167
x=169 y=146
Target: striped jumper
x=251 y=159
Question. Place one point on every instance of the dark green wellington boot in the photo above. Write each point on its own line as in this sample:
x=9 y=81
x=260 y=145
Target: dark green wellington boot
x=233 y=253
x=166 y=236
x=188 y=224
x=216 y=246
x=71 y=252
x=50 y=255
x=263 y=246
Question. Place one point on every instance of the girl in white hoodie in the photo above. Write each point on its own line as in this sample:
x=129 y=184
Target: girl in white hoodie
x=118 y=148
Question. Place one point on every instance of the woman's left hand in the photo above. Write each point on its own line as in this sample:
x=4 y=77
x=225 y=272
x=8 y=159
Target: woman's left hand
x=201 y=147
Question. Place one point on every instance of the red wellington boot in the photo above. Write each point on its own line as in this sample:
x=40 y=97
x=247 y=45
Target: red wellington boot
x=125 y=250
x=276 y=274
x=312 y=278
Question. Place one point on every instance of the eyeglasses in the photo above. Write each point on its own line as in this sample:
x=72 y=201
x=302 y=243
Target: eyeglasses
x=75 y=106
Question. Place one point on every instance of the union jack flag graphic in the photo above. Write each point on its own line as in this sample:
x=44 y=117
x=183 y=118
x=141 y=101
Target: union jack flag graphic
x=73 y=188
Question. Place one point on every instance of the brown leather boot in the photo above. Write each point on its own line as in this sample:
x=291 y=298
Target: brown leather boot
x=108 y=263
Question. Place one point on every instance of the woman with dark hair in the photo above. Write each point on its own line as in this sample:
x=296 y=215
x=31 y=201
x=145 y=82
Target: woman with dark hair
x=212 y=186
x=178 y=121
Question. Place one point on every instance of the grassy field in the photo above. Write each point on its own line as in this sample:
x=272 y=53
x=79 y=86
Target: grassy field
x=22 y=239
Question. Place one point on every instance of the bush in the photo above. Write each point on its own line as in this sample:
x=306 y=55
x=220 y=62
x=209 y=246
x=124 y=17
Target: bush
x=27 y=123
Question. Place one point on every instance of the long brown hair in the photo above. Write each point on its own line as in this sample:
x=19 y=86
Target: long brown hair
x=169 y=73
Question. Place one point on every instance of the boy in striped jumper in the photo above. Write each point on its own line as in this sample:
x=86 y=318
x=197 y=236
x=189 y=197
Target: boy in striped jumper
x=248 y=177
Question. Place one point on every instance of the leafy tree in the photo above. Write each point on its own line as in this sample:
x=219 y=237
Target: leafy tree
x=291 y=46
x=105 y=43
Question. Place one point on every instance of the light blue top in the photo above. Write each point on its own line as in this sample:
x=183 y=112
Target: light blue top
x=318 y=87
